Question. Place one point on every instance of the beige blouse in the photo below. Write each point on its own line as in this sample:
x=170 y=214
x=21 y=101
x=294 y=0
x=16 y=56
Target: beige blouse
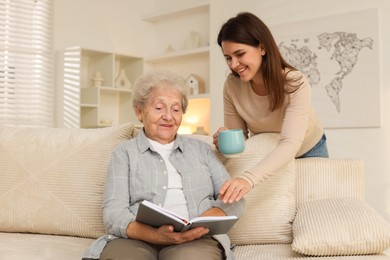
x=298 y=125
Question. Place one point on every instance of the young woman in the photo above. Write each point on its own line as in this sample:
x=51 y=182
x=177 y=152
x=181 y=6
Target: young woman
x=264 y=94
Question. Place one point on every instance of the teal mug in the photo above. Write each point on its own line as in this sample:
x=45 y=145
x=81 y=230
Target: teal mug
x=231 y=142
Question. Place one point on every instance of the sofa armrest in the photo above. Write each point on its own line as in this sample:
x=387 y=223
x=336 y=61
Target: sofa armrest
x=322 y=178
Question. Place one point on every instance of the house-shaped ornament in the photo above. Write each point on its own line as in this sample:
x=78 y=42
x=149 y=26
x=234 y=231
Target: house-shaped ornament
x=122 y=81
x=194 y=85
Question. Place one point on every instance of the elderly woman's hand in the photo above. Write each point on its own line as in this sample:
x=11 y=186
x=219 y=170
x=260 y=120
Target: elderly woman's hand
x=233 y=190
x=166 y=236
x=163 y=235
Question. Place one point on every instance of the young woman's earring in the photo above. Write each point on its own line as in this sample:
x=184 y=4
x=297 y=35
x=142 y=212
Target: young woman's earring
x=262 y=51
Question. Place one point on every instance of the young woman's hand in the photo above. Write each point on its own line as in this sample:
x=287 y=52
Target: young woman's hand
x=233 y=190
x=215 y=136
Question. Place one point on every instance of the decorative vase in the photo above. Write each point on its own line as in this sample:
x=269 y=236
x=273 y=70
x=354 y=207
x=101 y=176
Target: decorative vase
x=200 y=131
x=169 y=49
x=193 y=41
x=97 y=79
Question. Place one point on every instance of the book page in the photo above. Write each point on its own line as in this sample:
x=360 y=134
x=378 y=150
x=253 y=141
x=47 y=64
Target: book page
x=211 y=218
x=165 y=211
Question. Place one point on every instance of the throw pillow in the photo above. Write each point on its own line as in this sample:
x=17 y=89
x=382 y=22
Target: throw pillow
x=52 y=179
x=339 y=226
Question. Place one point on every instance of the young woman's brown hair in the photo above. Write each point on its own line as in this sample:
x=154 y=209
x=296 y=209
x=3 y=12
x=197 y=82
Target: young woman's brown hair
x=248 y=29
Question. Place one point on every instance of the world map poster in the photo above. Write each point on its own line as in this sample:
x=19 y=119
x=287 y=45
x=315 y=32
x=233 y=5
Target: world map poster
x=339 y=55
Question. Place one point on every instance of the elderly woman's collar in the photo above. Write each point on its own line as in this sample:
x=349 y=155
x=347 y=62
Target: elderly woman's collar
x=144 y=144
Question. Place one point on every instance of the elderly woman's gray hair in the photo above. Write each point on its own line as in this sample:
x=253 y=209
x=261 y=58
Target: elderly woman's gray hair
x=158 y=79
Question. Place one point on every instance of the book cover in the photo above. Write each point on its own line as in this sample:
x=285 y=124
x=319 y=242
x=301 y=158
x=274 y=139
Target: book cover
x=153 y=215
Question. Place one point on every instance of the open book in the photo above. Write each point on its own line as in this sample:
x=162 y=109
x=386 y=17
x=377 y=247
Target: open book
x=153 y=215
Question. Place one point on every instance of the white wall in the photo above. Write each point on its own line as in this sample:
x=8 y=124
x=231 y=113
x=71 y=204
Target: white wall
x=370 y=144
x=107 y=25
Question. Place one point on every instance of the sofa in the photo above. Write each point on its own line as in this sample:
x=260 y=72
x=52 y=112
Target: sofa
x=51 y=191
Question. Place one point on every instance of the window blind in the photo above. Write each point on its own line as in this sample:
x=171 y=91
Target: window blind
x=26 y=63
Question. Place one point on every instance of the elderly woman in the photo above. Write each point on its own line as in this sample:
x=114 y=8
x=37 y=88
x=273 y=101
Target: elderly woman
x=179 y=173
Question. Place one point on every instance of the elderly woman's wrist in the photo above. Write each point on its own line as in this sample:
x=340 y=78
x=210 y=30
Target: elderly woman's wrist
x=131 y=230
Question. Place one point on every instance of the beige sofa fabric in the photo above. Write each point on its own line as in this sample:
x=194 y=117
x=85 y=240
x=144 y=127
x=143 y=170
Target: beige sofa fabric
x=321 y=178
x=52 y=179
x=270 y=206
x=52 y=183
x=284 y=252
x=15 y=246
x=339 y=226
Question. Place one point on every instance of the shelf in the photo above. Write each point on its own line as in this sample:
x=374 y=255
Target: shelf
x=88 y=105
x=184 y=10
x=104 y=125
x=179 y=54
x=112 y=89
x=200 y=96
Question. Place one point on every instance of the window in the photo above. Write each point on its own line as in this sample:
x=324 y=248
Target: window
x=26 y=63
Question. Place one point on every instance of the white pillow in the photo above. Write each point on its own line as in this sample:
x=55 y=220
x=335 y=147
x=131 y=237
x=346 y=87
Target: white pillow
x=52 y=178
x=339 y=226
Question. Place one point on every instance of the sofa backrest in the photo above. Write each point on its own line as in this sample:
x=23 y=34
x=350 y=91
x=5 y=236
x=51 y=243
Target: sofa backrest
x=52 y=179
x=321 y=178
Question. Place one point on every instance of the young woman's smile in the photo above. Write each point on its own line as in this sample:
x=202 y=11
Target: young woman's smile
x=243 y=59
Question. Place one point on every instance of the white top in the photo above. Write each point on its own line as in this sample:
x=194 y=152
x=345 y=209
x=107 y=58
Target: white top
x=175 y=199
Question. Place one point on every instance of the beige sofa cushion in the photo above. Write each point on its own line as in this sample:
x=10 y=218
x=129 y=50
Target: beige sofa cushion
x=270 y=206
x=52 y=179
x=339 y=226
x=16 y=246
x=323 y=178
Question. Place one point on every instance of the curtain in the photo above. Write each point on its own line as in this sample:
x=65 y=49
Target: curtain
x=26 y=63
